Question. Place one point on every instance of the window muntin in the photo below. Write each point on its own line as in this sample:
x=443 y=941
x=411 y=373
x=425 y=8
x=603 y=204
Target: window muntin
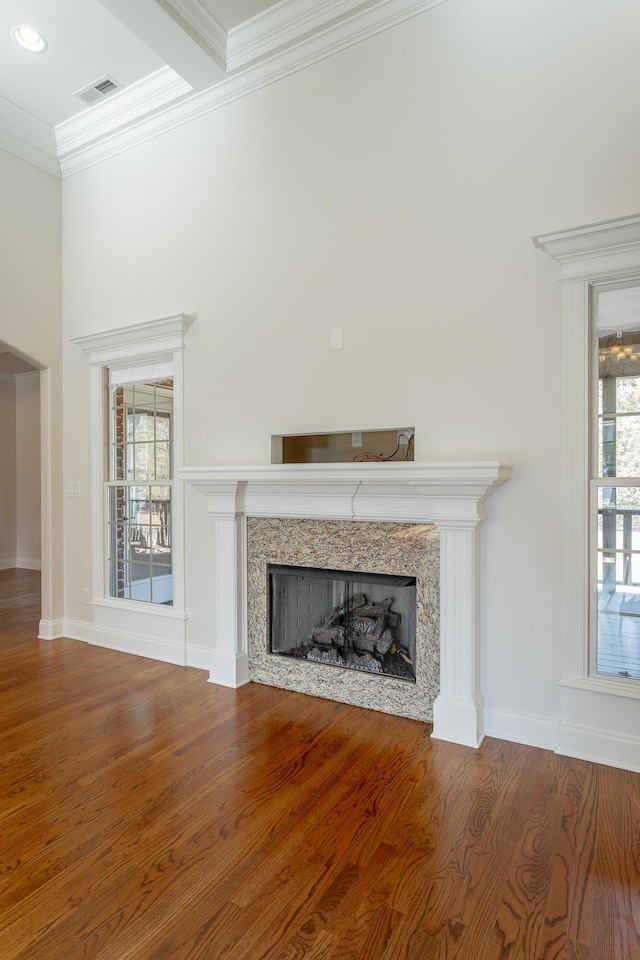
x=139 y=492
x=616 y=483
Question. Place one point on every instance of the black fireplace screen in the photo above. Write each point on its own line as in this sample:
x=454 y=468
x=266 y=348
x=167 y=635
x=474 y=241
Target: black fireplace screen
x=362 y=621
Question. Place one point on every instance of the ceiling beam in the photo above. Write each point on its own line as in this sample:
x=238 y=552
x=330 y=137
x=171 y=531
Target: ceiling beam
x=176 y=30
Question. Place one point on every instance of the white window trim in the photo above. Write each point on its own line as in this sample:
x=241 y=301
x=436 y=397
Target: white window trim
x=591 y=257
x=157 y=341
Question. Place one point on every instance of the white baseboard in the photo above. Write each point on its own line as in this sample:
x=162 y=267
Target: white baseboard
x=458 y=721
x=22 y=563
x=199 y=657
x=25 y=564
x=76 y=630
x=527 y=728
x=50 y=629
x=228 y=669
x=139 y=646
x=568 y=739
x=599 y=746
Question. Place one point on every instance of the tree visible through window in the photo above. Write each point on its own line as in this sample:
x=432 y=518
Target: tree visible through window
x=139 y=492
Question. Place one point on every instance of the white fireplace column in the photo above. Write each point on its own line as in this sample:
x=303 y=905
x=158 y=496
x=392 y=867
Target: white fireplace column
x=229 y=657
x=458 y=710
x=449 y=495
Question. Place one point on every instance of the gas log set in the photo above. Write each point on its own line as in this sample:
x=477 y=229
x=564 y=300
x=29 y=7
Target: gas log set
x=361 y=632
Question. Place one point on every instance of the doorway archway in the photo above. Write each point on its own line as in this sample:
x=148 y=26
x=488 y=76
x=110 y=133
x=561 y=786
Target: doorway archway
x=15 y=363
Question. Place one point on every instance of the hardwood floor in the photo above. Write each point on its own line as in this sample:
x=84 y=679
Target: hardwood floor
x=148 y=815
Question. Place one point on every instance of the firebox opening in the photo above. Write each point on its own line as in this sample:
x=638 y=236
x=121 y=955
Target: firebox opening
x=361 y=621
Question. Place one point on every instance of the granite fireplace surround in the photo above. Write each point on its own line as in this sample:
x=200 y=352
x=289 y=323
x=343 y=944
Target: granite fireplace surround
x=415 y=519
x=396 y=548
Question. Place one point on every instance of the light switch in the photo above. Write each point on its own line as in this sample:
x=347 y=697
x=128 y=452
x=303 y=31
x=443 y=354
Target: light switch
x=73 y=488
x=337 y=338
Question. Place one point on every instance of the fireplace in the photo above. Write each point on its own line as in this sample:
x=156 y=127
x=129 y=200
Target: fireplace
x=344 y=618
x=374 y=558
x=432 y=511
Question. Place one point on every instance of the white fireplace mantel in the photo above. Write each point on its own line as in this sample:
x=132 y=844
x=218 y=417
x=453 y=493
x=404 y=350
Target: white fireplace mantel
x=450 y=495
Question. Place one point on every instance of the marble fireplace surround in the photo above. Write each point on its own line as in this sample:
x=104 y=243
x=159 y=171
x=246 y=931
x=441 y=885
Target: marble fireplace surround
x=449 y=495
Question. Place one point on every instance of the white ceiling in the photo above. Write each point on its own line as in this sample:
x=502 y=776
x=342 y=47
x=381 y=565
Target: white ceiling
x=86 y=41
x=174 y=58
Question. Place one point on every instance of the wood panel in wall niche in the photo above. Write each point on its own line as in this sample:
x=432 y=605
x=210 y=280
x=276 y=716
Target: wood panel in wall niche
x=402 y=549
x=374 y=445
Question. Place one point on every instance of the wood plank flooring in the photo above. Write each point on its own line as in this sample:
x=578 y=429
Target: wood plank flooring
x=148 y=815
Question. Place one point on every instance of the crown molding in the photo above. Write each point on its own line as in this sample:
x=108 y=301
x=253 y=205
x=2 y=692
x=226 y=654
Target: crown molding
x=282 y=24
x=350 y=25
x=27 y=137
x=136 y=102
x=202 y=27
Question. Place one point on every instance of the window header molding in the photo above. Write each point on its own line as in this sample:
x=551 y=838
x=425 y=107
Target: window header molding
x=153 y=340
x=596 y=251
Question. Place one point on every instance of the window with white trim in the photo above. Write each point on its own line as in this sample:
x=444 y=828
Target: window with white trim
x=615 y=481
x=137 y=525
x=139 y=488
x=595 y=259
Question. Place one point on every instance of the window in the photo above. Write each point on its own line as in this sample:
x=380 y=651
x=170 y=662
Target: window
x=139 y=490
x=600 y=269
x=137 y=517
x=616 y=481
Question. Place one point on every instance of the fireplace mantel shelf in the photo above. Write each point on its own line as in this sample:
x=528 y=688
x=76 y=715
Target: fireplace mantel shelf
x=448 y=494
x=439 y=492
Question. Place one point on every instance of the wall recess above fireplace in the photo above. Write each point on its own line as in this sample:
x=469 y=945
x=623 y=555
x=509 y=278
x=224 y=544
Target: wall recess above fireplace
x=361 y=446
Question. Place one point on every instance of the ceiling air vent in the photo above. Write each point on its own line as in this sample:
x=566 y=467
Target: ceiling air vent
x=99 y=90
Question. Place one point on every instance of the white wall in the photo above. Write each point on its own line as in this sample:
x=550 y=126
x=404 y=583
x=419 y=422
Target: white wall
x=28 y=471
x=393 y=190
x=7 y=472
x=20 y=479
x=31 y=326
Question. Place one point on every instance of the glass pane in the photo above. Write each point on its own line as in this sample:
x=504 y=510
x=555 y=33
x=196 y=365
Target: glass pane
x=163 y=426
x=163 y=461
x=627 y=445
x=139 y=517
x=628 y=395
x=618 y=386
x=618 y=575
x=119 y=534
x=117 y=455
x=139 y=543
x=144 y=461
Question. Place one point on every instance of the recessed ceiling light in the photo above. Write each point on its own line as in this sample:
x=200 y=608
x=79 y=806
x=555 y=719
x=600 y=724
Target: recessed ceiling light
x=30 y=39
